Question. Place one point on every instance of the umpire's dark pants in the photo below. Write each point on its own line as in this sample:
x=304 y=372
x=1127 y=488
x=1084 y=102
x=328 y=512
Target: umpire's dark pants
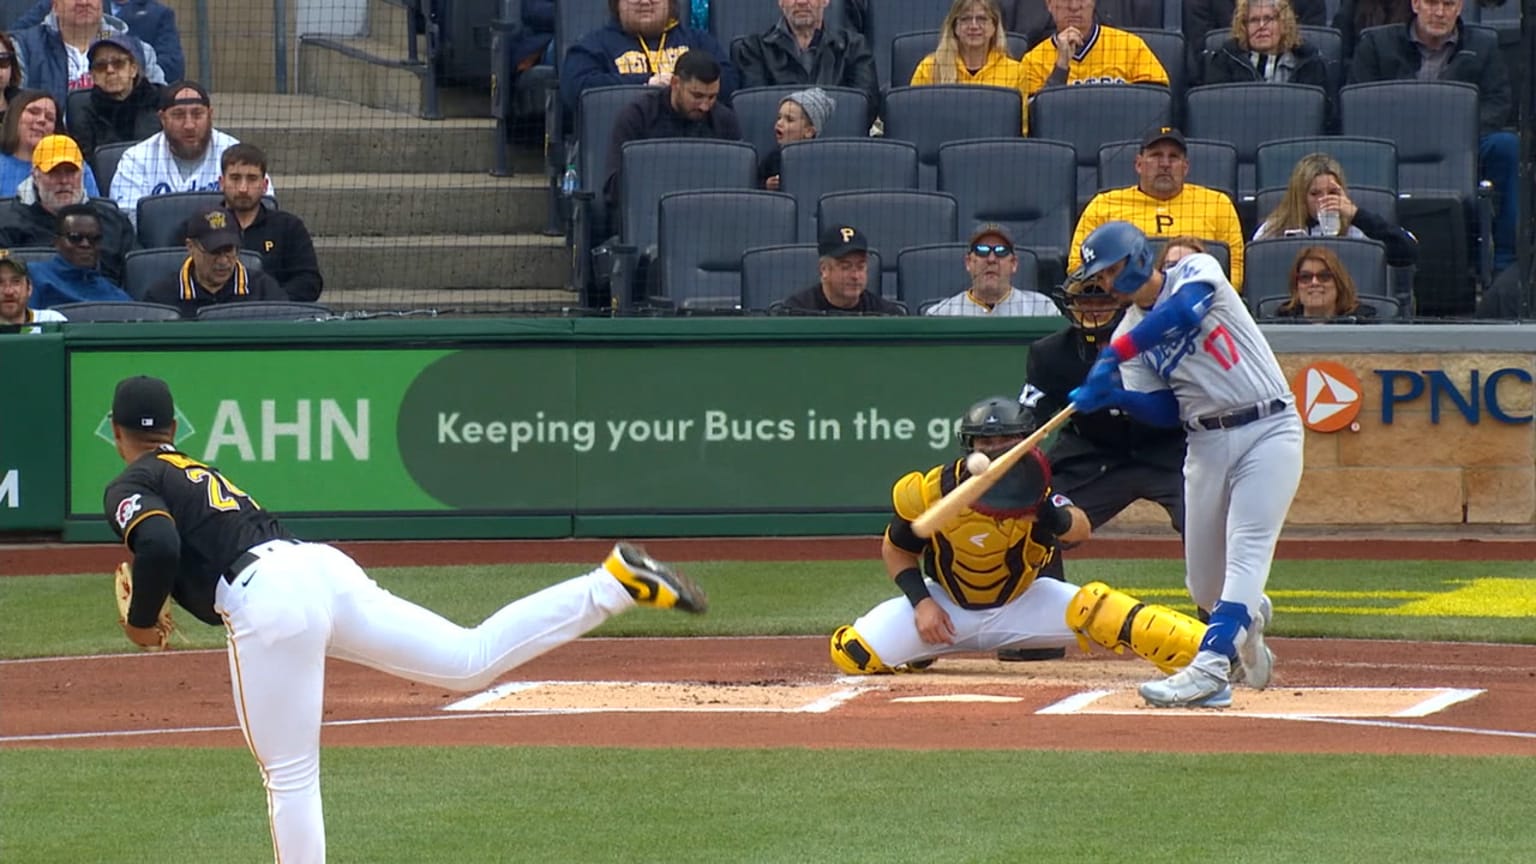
x=1103 y=495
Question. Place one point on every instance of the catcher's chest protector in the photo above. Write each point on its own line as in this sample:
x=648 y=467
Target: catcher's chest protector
x=982 y=562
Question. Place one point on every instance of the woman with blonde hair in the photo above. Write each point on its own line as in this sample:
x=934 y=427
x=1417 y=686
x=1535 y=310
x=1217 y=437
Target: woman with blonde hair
x=1266 y=47
x=1317 y=204
x=1322 y=289
x=973 y=49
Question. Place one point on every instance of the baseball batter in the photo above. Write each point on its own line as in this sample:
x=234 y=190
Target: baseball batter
x=980 y=591
x=286 y=605
x=1187 y=351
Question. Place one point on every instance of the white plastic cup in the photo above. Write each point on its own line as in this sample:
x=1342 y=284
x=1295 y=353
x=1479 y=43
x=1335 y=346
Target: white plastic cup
x=1328 y=222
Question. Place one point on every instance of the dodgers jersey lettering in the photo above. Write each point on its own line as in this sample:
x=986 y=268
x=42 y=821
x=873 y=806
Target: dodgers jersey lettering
x=1224 y=365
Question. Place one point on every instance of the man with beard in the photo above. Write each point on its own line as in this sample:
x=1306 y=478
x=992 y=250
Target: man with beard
x=1162 y=204
x=213 y=272
x=58 y=181
x=279 y=237
x=800 y=50
x=991 y=262
x=74 y=274
x=182 y=157
x=641 y=45
x=15 y=292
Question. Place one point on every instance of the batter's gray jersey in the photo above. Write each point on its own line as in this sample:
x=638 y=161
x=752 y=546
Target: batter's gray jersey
x=1224 y=365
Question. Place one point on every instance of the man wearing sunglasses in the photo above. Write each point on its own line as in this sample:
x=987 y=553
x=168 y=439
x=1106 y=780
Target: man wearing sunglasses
x=991 y=263
x=213 y=272
x=57 y=182
x=74 y=274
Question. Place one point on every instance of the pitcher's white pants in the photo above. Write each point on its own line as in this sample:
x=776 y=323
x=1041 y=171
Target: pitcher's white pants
x=303 y=602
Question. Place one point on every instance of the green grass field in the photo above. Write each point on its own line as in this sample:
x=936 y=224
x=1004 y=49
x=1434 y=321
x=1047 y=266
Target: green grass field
x=798 y=805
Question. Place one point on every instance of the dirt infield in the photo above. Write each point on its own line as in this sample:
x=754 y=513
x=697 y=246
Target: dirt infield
x=1343 y=696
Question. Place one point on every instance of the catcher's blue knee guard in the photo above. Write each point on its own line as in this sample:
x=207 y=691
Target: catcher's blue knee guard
x=854 y=656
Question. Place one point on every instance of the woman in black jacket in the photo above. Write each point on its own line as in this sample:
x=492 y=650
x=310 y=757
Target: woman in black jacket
x=1266 y=46
x=123 y=105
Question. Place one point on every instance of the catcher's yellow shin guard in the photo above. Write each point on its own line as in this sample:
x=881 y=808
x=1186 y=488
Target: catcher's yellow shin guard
x=1165 y=637
x=853 y=656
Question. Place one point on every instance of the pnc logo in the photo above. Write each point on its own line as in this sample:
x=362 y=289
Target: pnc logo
x=1329 y=395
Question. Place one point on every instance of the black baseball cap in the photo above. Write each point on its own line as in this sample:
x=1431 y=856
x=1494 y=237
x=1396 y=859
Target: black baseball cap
x=169 y=92
x=20 y=266
x=1164 y=133
x=142 y=402
x=841 y=240
x=214 y=228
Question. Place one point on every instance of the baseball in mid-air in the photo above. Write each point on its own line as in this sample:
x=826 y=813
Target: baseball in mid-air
x=977 y=462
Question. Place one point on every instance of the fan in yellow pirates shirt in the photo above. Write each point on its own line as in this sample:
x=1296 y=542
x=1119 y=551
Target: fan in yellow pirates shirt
x=980 y=591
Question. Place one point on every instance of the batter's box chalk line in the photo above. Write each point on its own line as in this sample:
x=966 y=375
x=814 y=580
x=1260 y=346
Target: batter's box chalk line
x=1281 y=703
x=593 y=697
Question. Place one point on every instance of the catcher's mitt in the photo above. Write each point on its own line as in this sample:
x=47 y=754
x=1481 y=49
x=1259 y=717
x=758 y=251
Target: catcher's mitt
x=1019 y=492
x=165 y=625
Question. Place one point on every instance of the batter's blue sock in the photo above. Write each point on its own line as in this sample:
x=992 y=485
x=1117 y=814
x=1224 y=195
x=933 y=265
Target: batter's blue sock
x=1227 y=620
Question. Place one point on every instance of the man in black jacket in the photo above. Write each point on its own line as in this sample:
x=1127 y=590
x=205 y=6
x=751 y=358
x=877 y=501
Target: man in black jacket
x=800 y=51
x=279 y=237
x=686 y=108
x=1435 y=46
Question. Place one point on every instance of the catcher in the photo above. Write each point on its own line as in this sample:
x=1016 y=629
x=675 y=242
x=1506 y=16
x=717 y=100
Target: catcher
x=980 y=591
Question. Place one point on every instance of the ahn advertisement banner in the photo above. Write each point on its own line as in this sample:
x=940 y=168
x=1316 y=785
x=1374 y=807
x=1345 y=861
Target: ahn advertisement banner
x=586 y=428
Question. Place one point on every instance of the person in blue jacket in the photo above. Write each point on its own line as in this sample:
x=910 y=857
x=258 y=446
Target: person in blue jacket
x=74 y=274
x=639 y=46
x=150 y=21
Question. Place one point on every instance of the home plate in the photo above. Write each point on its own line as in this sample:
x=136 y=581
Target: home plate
x=959 y=697
x=585 y=697
x=1281 y=702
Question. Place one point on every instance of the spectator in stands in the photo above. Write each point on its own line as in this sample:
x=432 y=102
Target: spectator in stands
x=1176 y=250
x=1357 y=15
x=1032 y=19
x=799 y=50
x=1266 y=46
x=16 y=294
x=1203 y=16
x=1084 y=51
x=1436 y=46
x=1317 y=186
x=537 y=38
x=279 y=237
x=1161 y=203
x=991 y=263
x=1321 y=289
x=33 y=116
x=641 y=45
x=52 y=52
x=57 y=181
x=973 y=49
x=844 y=268
x=687 y=107
x=213 y=272
x=74 y=274
x=182 y=157
x=10 y=72
x=802 y=116
x=149 y=21
x=123 y=104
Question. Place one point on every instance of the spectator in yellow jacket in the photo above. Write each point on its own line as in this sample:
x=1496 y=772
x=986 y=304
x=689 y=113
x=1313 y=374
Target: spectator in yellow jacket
x=1163 y=205
x=973 y=49
x=1083 y=51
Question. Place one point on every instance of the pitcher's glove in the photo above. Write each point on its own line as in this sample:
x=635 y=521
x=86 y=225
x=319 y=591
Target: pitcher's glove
x=149 y=638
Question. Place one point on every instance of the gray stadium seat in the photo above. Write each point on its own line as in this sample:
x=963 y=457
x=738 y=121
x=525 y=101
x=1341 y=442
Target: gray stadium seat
x=1267 y=264
x=264 y=310
x=1169 y=47
x=933 y=116
x=145 y=268
x=104 y=164
x=771 y=273
x=124 y=310
x=909 y=49
x=887 y=20
x=1366 y=161
x=937 y=271
x=1087 y=116
x=1211 y=163
x=1249 y=115
x=1038 y=204
x=31 y=254
x=590 y=219
x=758 y=107
x=163 y=218
x=701 y=238
x=893 y=220
x=814 y=168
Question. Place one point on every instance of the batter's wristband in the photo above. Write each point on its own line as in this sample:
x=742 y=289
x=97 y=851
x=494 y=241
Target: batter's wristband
x=1124 y=346
x=1057 y=520
x=912 y=584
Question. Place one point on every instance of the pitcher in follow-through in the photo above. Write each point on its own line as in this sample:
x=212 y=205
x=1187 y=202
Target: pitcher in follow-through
x=1187 y=351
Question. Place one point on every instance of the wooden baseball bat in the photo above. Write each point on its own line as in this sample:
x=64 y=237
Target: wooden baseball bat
x=935 y=518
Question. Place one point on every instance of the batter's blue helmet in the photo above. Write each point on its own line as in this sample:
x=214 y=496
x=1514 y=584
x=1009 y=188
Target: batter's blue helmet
x=1112 y=242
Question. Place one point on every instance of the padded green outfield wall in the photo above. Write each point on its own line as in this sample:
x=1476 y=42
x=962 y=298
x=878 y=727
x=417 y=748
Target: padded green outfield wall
x=549 y=427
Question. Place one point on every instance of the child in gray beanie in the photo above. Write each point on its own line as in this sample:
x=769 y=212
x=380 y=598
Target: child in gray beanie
x=815 y=107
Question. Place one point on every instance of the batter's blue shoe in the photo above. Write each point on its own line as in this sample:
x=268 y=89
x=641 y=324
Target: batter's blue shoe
x=653 y=583
x=1201 y=684
x=1257 y=662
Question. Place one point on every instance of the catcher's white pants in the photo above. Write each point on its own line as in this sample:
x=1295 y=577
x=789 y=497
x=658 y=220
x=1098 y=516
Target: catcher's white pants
x=1037 y=619
x=303 y=602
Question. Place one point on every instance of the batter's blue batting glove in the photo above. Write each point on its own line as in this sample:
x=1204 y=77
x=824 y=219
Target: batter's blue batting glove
x=1091 y=397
